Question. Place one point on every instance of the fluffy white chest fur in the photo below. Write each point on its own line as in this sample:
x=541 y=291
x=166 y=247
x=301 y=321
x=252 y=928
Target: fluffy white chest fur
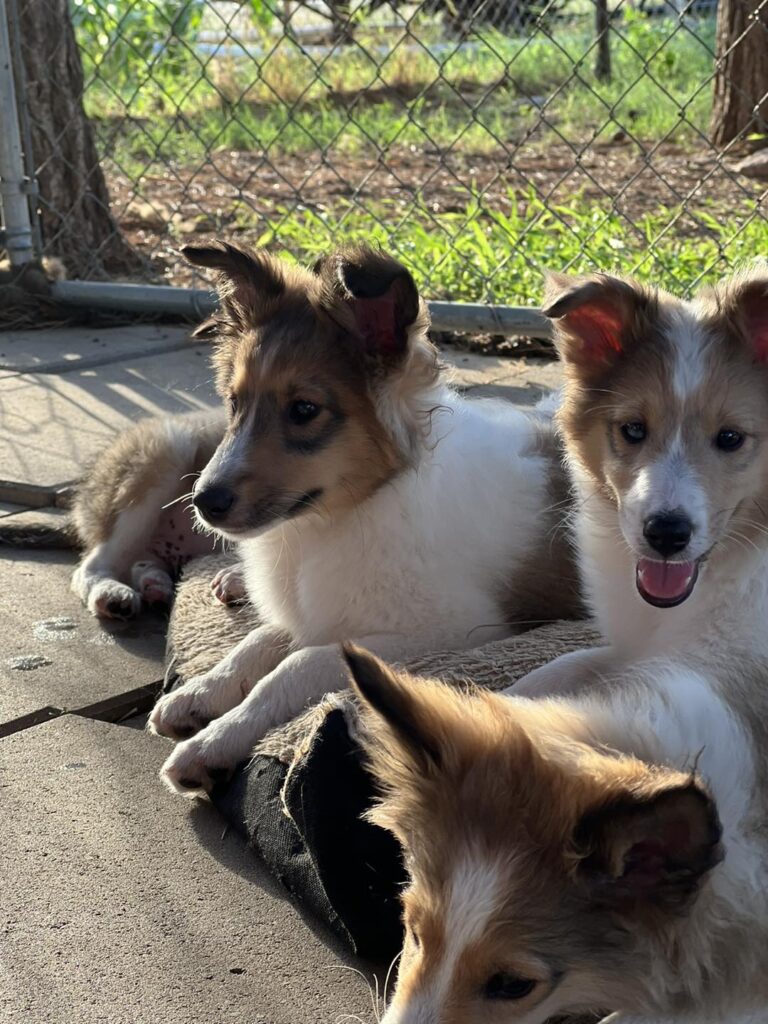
x=429 y=556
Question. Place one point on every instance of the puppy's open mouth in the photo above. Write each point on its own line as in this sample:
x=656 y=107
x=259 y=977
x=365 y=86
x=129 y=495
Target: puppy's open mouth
x=666 y=584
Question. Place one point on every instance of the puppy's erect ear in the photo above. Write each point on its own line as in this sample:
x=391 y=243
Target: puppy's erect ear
x=744 y=299
x=593 y=316
x=249 y=283
x=377 y=291
x=392 y=704
x=651 y=847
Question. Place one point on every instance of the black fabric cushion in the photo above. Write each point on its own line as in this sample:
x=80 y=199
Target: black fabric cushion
x=307 y=824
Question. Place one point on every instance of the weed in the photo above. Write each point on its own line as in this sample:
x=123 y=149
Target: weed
x=500 y=255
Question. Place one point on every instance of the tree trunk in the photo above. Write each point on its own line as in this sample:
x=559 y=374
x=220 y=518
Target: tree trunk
x=75 y=217
x=740 y=104
x=602 y=31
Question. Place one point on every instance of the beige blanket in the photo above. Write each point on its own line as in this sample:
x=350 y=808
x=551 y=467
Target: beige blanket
x=202 y=631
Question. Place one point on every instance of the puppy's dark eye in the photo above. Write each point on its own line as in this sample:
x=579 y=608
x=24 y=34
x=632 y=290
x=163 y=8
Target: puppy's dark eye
x=729 y=440
x=233 y=404
x=633 y=433
x=508 y=986
x=301 y=412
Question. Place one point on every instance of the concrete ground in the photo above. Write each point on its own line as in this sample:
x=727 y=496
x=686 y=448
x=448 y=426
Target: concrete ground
x=119 y=902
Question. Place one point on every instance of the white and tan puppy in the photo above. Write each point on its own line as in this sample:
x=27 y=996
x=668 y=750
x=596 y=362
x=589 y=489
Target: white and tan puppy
x=368 y=500
x=602 y=853
x=665 y=426
x=131 y=515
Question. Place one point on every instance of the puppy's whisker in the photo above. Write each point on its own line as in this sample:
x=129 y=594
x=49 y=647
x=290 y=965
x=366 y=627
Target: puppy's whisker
x=181 y=497
x=373 y=992
x=395 y=959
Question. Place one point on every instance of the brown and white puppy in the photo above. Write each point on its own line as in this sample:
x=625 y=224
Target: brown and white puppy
x=665 y=425
x=604 y=853
x=133 y=516
x=368 y=500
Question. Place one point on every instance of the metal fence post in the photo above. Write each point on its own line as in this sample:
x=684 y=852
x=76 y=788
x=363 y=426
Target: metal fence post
x=13 y=181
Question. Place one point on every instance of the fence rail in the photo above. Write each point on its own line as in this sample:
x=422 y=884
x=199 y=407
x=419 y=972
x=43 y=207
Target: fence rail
x=480 y=140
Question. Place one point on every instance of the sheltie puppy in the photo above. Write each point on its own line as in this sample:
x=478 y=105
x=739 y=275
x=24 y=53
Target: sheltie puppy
x=367 y=499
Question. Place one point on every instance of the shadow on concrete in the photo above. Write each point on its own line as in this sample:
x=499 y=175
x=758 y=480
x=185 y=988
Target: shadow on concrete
x=231 y=851
x=52 y=425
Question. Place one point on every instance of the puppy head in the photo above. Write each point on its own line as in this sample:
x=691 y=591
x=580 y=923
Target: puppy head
x=666 y=414
x=546 y=877
x=308 y=364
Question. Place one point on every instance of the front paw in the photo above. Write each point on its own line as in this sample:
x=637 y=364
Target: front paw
x=210 y=757
x=152 y=582
x=182 y=713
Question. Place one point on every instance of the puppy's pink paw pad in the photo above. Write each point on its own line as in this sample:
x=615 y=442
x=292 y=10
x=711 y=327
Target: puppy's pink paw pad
x=152 y=582
x=112 y=600
x=228 y=586
x=155 y=591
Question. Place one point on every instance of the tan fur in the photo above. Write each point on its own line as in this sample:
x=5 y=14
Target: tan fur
x=523 y=788
x=136 y=462
x=285 y=334
x=269 y=370
x=600 y=397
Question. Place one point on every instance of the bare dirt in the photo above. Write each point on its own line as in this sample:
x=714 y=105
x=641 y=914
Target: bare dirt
x=237 y=193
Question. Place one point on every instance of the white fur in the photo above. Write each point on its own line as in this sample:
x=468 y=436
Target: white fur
x=678 y=718
x=418 y=566
x=96 y=581
x=475 y=894
x=425 y=553
x=667 y=484
x=689 y=365
x=729 y=605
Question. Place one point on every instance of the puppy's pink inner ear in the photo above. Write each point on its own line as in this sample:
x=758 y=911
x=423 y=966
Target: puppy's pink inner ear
x=376 y=321
x=599 y=328
x=756 y=316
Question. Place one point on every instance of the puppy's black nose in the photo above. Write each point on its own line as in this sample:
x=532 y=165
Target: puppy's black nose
x=214 y=502
x=668 y=533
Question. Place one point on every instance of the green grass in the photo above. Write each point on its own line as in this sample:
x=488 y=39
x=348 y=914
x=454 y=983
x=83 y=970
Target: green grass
x=155 y=108
x=178 y=106
x=478 y=254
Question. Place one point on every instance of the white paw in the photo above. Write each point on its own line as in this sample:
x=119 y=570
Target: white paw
x=152 y=582
x=228 y=585
x=109 y=599
x=210 y=757
x=185 y=711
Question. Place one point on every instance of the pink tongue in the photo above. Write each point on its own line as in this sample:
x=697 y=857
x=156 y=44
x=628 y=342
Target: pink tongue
x=666 y=580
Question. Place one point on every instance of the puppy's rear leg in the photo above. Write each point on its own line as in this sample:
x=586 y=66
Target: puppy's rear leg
x=152 y=581
x=228 y=585
x=100 y=578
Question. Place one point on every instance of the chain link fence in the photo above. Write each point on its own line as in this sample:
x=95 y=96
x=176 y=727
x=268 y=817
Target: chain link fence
x=480 y=140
